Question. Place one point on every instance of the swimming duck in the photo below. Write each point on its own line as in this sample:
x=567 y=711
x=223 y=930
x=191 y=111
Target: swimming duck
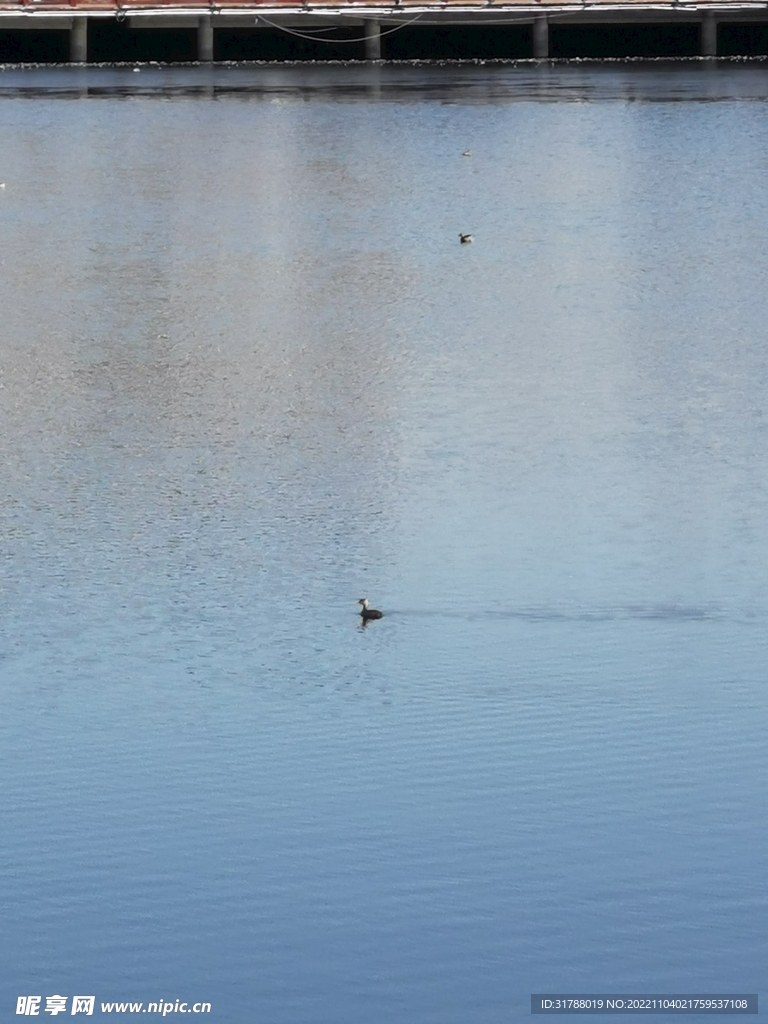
x=465 y=239
x=369 y=613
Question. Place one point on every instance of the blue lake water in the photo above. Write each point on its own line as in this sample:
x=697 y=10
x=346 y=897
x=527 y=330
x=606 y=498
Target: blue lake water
x=248 y=375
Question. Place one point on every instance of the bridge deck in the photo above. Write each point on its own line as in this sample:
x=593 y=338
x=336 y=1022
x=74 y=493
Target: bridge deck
x=451 y=10
x=696 y=33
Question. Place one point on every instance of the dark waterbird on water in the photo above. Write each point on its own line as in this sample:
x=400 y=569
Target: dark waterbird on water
x=465 y=239
x=369 y=613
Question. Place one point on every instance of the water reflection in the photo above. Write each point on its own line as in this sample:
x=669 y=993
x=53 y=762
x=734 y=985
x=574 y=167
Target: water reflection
x=248 y=373
x=659 y=80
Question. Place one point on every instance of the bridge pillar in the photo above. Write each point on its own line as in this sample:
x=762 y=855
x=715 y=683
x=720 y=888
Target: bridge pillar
x=372 y=33
x=708 y=35
x=78 y=41
x=205 y=39
x=541 y=36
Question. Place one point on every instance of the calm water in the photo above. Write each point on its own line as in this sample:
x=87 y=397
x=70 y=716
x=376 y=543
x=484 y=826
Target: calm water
x=249 y=375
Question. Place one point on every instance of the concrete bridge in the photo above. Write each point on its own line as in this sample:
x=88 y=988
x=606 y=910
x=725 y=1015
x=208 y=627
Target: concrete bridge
x=93 y=30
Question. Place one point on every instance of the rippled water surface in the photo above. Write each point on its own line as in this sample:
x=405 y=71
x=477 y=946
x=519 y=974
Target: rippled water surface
x=249 y=375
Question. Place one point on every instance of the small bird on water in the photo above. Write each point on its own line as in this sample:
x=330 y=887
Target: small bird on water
x=465 y=239
x=369 y=613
